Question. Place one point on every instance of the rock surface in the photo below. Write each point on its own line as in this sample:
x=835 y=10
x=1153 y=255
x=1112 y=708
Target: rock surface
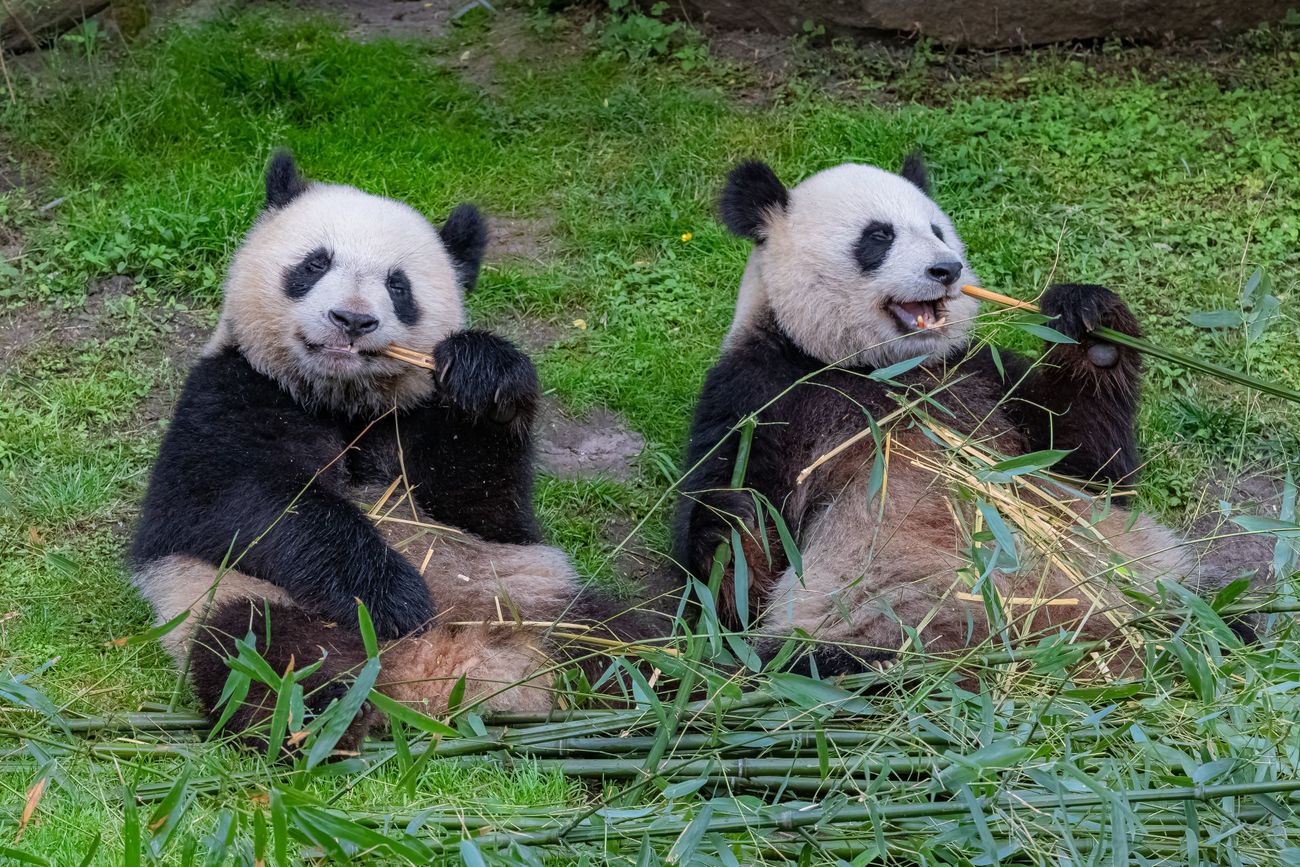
x=992 y=23
x=598 y=445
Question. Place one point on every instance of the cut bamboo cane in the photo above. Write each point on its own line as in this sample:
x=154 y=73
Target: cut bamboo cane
x=410 y=356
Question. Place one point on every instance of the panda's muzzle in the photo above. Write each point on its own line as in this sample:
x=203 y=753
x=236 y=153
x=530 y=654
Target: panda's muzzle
x=917 y=316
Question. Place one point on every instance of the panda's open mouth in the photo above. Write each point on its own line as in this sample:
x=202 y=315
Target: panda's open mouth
x=916 y=316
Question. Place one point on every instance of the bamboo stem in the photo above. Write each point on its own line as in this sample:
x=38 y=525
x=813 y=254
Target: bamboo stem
x=1146 y=347
x=410 y=356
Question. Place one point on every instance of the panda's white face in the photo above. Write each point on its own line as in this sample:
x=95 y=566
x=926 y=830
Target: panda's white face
x=327 y=278
x=859 y=266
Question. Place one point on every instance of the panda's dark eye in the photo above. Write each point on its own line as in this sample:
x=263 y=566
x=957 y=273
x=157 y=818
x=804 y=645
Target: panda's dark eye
x=398 y=284
x=399 y=289
x=300 y=278
x=938 y=233
x=873 y=246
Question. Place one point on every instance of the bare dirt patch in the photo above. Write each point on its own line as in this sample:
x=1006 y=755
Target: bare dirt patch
x=1228 y=551
x=529 y=238
x=533 y=336
x=600 y=444
x=390 y=19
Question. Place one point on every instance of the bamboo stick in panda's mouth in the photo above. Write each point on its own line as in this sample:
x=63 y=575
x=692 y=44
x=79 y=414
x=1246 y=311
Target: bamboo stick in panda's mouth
x=410 y=356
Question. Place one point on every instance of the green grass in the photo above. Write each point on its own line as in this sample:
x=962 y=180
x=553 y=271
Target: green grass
x=1167 y=180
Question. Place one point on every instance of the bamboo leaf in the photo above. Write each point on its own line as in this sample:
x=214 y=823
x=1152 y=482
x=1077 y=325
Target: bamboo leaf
x=280 y=717
x=683 y=850
x=1033 y=462
x=1043 y=332
x=280 y=828
x=1215 y=318
x=151 y=634
x=818 y=696
x=685 y=787
x=89 y=857
x=22 y=857
x=740 y=576
x=218 y=842
x=744 y=651
x=167 y=814
x=367 y=627
x=456 y=697
x=470 y=856
x=341 y=714
x=792 y=554
x=888 y=374
x=410 y=716
x=130 y=830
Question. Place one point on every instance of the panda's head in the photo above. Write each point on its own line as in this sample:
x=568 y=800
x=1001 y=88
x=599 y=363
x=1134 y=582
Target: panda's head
x=858 y=265
x=329 y=276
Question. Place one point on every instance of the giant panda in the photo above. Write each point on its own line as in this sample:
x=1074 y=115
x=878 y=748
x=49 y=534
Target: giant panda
x=275 y=503
x=853 y=270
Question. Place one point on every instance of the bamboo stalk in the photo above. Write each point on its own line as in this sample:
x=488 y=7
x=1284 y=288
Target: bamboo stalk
x=1146 y=347
x=799 y=816
x=410 y=356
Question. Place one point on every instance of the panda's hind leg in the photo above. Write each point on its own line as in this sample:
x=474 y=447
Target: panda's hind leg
x=289 y=638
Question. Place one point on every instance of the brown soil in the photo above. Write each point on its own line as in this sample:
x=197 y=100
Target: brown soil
x=600 y=444
x=391 y=19
x=529 y=238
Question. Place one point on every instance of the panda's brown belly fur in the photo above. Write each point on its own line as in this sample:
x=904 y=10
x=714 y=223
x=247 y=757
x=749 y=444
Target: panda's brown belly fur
x=876 y=559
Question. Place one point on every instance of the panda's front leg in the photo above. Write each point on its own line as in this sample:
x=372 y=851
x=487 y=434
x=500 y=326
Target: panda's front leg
x=1088 y=388
x=488 y=378
x=471 y=456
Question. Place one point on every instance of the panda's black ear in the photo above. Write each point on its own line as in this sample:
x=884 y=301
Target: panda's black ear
x=751 y=198
x=283 y=183
x=465 y=237
x=914 y=171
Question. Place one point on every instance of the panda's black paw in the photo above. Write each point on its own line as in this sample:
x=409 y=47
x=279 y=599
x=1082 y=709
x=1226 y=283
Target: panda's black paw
x=403 y=606
x=487 y=376
x=1078 y=309
x=715 y=514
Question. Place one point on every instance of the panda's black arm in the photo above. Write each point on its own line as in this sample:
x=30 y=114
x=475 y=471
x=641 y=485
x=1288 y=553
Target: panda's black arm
x=305 y=538
x=1083 y=396
x=745 y=379
x=469 y=452
x=238 y=452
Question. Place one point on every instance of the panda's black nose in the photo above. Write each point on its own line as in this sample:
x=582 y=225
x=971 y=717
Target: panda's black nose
x=352 y=323
x=945 y=272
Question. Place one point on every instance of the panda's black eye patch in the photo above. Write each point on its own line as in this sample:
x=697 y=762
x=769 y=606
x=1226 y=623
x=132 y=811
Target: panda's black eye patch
x=300 y=278
x=873 y=245
x=938 y=233
x=399 y=290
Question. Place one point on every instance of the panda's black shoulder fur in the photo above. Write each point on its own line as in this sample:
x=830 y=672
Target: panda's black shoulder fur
x=240 y=452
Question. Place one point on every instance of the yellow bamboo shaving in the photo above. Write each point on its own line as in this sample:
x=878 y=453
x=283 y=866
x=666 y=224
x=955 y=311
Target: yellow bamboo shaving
x=383 y=498
x=428 y=555
x=1018 y=600
x=440 y=528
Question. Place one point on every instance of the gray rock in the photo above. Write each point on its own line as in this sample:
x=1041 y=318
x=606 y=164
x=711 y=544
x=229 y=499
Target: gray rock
x=598 y=445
